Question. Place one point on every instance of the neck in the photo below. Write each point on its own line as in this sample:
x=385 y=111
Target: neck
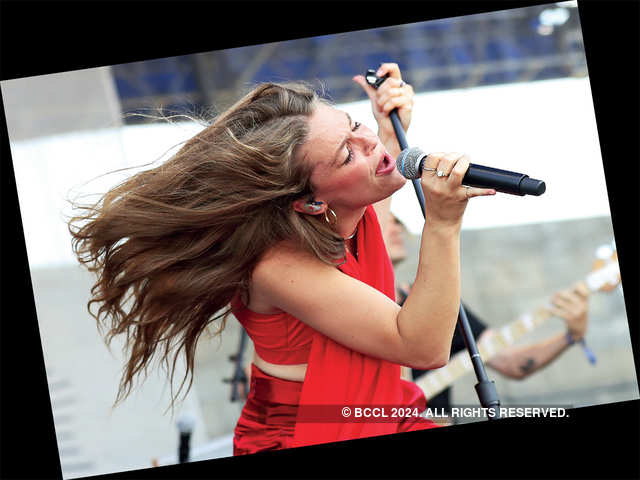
x=348 y=221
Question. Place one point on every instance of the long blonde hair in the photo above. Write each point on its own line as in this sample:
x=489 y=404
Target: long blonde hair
x=172 y=246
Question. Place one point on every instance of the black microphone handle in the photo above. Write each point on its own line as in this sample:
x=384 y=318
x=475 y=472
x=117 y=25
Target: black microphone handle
x=502 y=181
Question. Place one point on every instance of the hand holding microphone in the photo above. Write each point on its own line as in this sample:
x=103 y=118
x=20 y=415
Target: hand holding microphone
x=411 y=162
x=443 y=190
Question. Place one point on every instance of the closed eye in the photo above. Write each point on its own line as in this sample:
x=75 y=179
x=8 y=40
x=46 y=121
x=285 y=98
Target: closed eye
x=356 y=125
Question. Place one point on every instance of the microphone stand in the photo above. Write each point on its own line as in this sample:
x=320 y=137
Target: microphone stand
x=185 y=423
x=485 y=388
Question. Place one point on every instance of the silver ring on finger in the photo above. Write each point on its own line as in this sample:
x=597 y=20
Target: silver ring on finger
x=402 y=84
x=441 y=173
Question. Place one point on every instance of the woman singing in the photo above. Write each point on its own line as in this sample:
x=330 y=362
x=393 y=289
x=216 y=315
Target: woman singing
x=269 y=213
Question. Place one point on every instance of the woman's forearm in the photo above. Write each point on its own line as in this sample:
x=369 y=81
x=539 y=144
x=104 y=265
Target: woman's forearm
x=428 y=317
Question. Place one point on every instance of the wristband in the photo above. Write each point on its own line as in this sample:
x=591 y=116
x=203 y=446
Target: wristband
x=569 y=338
x=588 y=353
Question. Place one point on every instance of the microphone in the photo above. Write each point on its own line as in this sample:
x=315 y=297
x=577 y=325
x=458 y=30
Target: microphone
x=411 y=160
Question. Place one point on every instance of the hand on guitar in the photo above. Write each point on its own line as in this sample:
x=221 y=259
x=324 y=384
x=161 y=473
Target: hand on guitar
x=519 y=362
x=571 y=305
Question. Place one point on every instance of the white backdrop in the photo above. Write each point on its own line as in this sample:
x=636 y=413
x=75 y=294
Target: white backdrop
x=544 y=129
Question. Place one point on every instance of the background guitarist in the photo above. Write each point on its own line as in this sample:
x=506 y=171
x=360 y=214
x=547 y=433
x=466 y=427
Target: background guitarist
x=516 y=362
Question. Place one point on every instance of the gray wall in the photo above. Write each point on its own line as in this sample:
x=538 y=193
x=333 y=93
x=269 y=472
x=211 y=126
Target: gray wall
x=60 y=103
x=83 y=377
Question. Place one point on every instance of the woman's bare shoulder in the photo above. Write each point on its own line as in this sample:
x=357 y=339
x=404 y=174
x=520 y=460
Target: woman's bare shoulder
x=284 y=256
x=273 y=271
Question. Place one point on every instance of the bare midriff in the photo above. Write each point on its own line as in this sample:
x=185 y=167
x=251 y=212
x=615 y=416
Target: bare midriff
x=295 y=373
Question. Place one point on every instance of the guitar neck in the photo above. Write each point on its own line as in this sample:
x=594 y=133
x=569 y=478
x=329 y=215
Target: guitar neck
x=437 y=380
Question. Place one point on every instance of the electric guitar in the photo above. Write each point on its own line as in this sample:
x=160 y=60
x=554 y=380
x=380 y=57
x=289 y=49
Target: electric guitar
x=605 y=276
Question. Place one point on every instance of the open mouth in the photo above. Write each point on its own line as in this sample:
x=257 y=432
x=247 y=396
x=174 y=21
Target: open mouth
x=386 y=166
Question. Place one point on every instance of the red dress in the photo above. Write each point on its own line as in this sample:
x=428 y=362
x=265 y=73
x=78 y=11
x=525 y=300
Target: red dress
x=336 y=376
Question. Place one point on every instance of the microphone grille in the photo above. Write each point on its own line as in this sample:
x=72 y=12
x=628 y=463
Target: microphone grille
x=186 y=422
x=408 y=162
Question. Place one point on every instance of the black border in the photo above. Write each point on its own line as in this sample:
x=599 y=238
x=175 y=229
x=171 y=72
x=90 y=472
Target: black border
x=40 y=38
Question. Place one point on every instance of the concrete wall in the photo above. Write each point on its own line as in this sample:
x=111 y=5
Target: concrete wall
x=83 y=378
x=60 y=102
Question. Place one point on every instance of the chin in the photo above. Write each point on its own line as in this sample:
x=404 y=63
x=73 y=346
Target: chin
x=398 y=181
x=390 y=190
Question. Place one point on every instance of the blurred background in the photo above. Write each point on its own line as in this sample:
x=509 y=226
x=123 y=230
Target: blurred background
x=510 y=88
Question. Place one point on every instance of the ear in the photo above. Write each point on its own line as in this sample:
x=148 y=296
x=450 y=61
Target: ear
x=309 y=206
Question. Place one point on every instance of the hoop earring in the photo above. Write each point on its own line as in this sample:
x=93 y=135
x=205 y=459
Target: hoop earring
x=335 y=217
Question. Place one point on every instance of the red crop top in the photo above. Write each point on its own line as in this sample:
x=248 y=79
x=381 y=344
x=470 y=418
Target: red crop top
x=278 y=338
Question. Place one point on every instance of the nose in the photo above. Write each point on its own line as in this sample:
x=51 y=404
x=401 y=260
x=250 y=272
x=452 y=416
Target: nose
x=368 y=141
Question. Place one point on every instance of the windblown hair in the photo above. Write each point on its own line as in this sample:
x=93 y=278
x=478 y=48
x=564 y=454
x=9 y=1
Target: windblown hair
x=172 y=246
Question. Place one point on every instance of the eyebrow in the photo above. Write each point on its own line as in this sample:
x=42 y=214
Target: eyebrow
x=341 y=146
